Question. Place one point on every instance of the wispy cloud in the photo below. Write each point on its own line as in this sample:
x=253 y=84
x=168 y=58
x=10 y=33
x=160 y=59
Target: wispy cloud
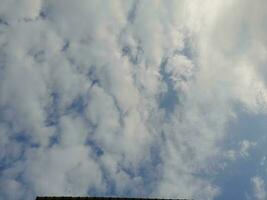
x=258 y=187
x=125 y=97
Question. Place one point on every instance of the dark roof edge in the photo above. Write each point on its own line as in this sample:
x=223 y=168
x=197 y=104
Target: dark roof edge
x=98 y=198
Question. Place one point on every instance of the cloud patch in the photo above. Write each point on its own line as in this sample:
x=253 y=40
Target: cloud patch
x=127 y=98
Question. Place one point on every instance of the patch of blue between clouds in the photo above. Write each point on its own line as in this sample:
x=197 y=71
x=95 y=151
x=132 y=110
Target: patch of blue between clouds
x=134 y=57
x=169 y=99
x=132 y=12
x=98 y=151
x=16 y=148
x=150 y=171
x=53 y=112
x=78 y=105
x=3 y=22
x=18 y=142
x=44 y=13
x=65 y=45
x=235 y=179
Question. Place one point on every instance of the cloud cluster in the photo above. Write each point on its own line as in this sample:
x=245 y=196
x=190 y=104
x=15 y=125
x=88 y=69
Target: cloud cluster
x=258 y=187
x=124 y=97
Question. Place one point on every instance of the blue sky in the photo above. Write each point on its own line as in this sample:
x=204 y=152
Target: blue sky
x=235 y=179
x=133 y=98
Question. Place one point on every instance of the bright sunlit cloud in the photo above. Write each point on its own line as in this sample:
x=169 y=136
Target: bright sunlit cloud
x=133 y=98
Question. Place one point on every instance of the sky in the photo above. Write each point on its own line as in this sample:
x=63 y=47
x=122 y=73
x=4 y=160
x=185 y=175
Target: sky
x=133 y=98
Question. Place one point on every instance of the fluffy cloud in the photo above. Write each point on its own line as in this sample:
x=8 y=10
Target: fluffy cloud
x=124 y=97
x=258 y=187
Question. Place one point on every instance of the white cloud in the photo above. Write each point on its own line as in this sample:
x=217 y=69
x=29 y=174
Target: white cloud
x=22 y=10
x=245 y=146
x=62 y=171
x=263 y=160
x=258 y=187
x=81 y=85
